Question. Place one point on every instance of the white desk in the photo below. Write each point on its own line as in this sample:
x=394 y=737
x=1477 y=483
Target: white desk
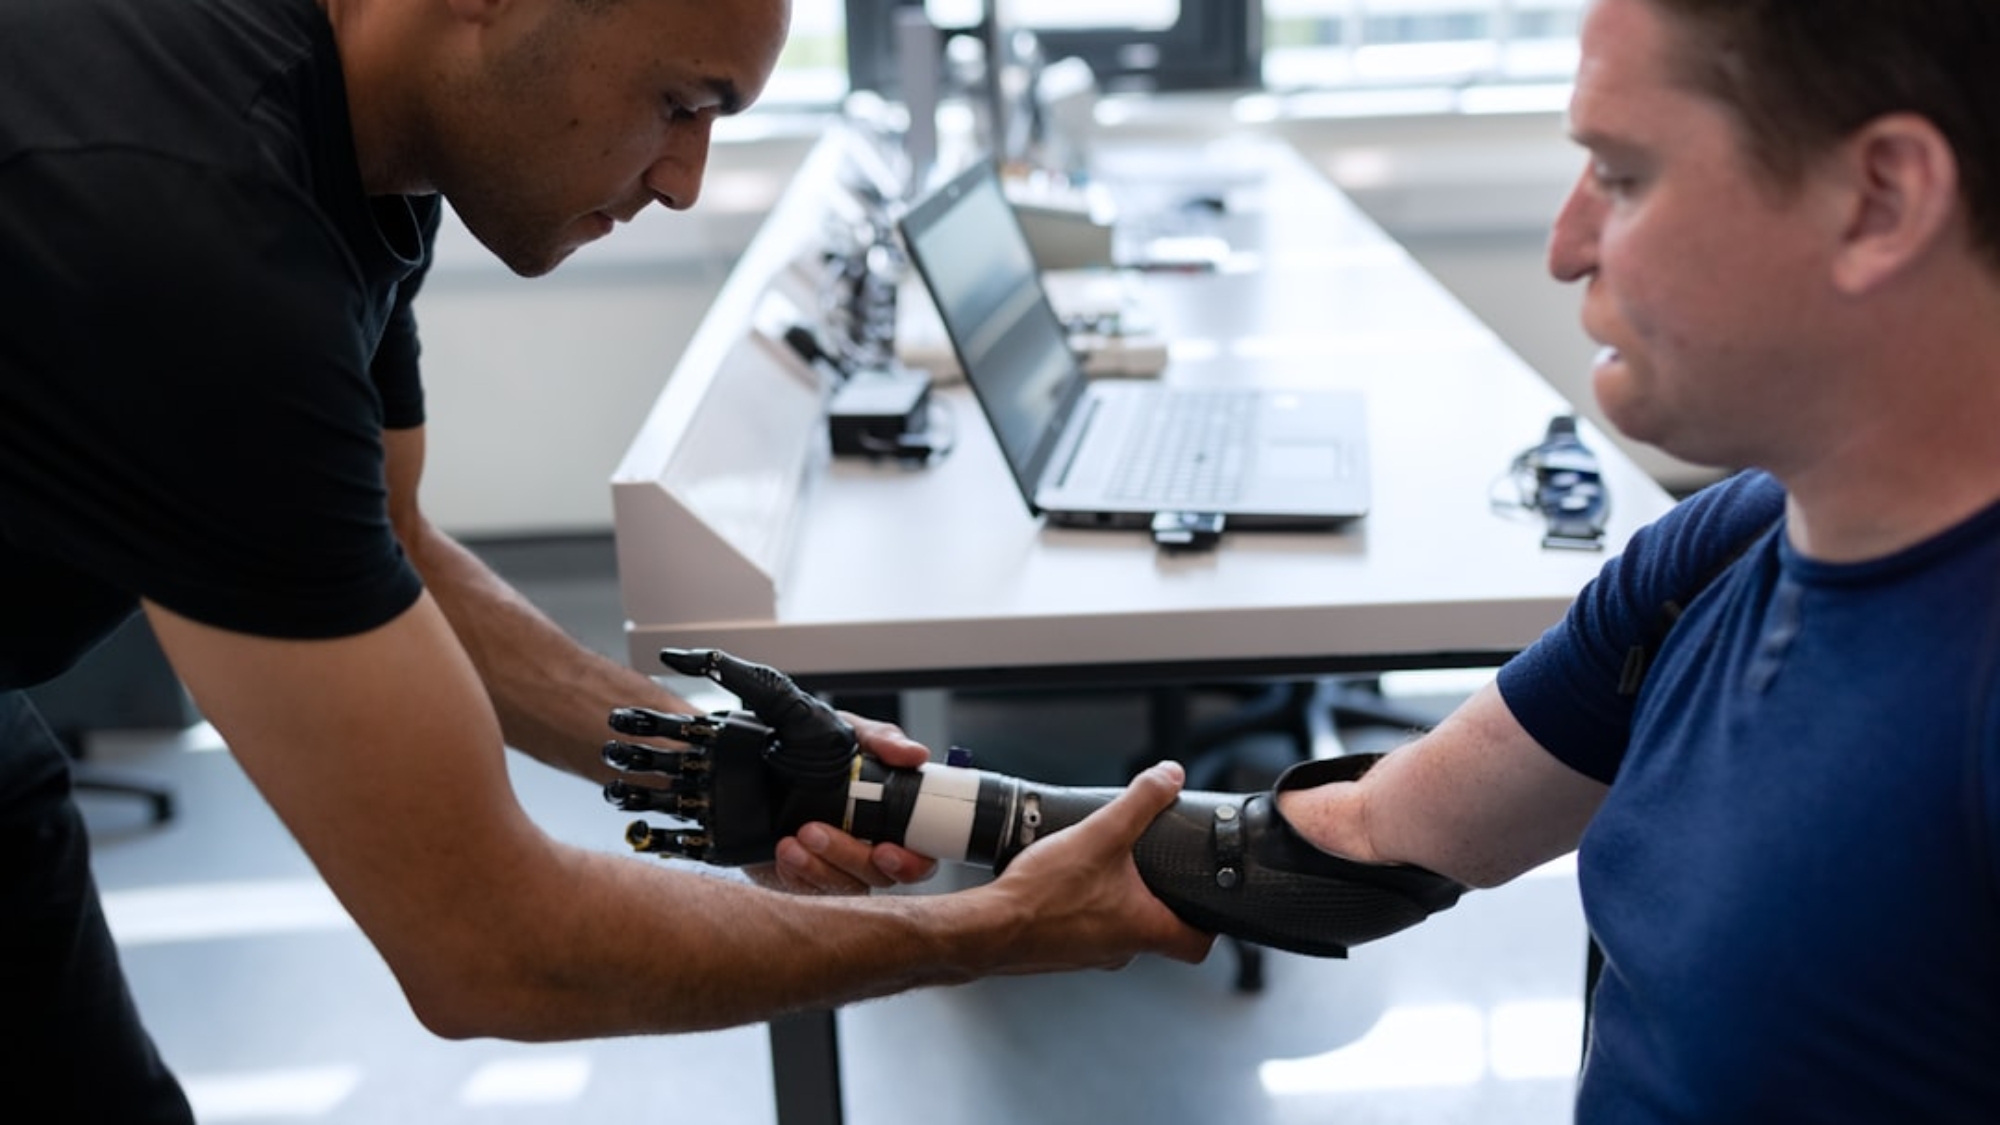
x=735 y=533
x=885 y=576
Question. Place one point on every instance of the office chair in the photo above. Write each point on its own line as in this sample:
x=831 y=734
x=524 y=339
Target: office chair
x=124 y=683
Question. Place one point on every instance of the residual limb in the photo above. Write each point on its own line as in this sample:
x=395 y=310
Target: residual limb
x=1225 y=862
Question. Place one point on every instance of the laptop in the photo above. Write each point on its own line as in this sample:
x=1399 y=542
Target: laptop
x=1118 y=453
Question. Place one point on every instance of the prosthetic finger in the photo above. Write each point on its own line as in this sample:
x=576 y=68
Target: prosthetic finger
x=727 y=786
x=1225 y=862
x=817 y=744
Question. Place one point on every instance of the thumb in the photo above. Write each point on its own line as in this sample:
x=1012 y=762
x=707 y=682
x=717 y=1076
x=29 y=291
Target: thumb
x=1146 y=798
x=887 y=742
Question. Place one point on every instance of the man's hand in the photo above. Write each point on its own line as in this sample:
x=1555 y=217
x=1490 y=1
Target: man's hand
x=1082 y=903
x=821 y=859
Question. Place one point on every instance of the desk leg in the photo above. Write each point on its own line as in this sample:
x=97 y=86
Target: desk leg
x=805 y=1048
x=926 y=717
x=805 y=1068
x=924 y=714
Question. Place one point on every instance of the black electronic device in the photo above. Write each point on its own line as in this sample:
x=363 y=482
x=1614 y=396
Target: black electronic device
x=881 y=413
x=872 y=412
x=1568 y=488
x=1187 y=531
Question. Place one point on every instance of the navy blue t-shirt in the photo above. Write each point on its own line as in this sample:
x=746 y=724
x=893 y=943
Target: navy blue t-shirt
x=204 y=328
x=1793 y=877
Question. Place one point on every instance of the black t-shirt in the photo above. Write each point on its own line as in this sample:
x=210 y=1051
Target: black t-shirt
x=204 y=328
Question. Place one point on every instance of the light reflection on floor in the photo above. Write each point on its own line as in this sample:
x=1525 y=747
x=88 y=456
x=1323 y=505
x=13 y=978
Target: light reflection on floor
x=250 y=1096
x=1441 y=1045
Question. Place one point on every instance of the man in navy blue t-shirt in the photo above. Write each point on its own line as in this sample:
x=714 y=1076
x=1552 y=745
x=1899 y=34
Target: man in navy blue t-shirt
x=1788 y=828
x=214 y=215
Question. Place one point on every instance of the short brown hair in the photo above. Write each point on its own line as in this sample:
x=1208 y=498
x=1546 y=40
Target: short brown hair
x=1802 y=74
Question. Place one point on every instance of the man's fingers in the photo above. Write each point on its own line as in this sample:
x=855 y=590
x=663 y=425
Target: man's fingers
x=902 y=865
x=807 y=872
x=1192 y=946
x=887 y=742
x=1146 y=798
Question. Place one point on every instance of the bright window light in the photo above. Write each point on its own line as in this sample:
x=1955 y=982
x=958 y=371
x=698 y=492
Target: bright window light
x=524 y=1081
x=1140 y=15
x=265 y=1094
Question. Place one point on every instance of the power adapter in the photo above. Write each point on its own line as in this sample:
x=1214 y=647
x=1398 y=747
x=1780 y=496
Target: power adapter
x=880 y=412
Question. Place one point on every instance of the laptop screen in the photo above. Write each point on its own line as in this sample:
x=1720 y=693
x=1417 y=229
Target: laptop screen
x=975 y=261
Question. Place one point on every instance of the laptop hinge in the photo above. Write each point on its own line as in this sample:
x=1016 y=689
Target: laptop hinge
x=1077 y=437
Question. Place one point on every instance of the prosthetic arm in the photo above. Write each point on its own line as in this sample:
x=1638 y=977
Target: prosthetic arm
x=1225 y=862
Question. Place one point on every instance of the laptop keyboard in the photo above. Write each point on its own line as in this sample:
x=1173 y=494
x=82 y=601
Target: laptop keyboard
x=1189 y=448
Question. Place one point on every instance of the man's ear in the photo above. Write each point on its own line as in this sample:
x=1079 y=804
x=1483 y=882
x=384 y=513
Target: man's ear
x=1904 y=191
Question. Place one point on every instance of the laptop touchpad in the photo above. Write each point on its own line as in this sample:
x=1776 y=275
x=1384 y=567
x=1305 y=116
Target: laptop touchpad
x=1300 y=461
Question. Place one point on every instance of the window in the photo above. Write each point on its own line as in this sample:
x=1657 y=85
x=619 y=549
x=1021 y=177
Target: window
x=1280 y=45
x=1316 y=44
x=1130 y=44
x=812 y=70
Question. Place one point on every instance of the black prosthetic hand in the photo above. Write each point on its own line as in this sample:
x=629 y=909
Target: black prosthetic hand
x=747 y=778
x=1228 y=863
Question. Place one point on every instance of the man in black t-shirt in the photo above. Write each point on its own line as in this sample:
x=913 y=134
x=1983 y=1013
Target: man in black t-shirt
x=214 y=215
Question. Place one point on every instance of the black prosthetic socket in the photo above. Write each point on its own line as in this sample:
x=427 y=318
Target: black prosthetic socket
x=1228 y=863
x=1232 y=864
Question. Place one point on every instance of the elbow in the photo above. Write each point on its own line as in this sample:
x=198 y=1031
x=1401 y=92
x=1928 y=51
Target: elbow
x=449 y=1017
x=1484 y=870
x=450 y=1004
x=480 y=986
x=1483 y=880
x=477 y=951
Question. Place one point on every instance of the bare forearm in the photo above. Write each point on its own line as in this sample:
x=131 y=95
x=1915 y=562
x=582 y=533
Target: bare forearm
x=1476 y=799
x=379 y=753
x=636 y=948
x=552 y=694
x=698 y=952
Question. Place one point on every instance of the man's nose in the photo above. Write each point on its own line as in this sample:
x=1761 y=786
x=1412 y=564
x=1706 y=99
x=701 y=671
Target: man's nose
x=675 y=178
x=1573 y=237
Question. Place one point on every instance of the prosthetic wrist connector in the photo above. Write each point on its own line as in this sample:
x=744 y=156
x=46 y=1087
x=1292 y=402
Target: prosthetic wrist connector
x=1228 y=863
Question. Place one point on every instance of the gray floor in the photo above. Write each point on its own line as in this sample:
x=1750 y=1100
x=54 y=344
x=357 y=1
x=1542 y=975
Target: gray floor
x=273 y=1009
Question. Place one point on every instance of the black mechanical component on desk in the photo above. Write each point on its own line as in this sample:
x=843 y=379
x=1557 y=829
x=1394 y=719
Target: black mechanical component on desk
x=1569 y=490
x=873 y=412
x=805 y=342
x=1228 y=863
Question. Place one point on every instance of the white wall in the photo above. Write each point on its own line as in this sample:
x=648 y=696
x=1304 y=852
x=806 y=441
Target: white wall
x=1471 y=197
x=536 y=386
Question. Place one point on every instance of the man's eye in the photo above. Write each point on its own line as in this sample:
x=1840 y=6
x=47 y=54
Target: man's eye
x=1610 y=182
